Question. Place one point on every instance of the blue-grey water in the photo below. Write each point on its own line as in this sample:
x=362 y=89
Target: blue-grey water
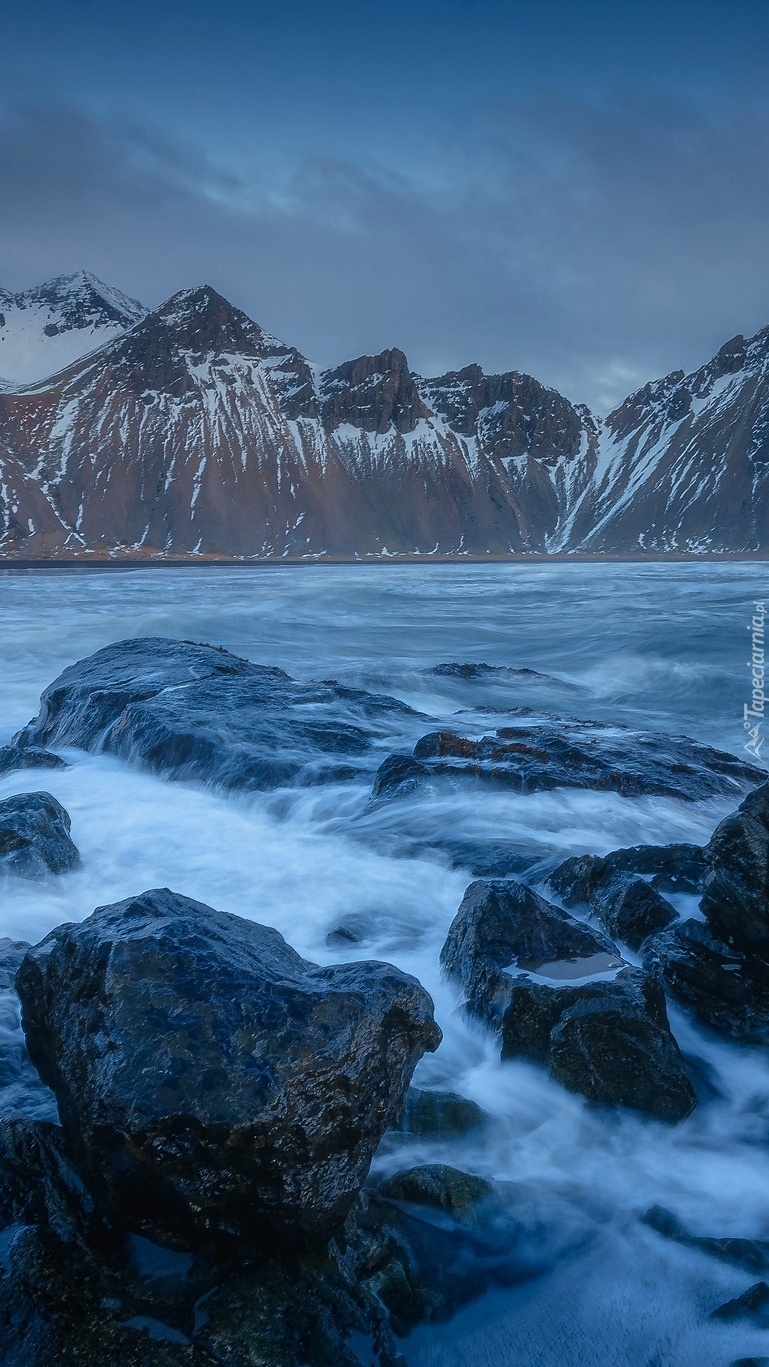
x=663 y=647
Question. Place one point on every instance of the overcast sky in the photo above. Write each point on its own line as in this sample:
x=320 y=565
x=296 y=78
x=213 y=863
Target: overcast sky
x=578 y=190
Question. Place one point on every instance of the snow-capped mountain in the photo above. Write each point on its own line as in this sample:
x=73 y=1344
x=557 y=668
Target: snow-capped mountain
x=190 y=431
x=48 y=327
x=684 y=463
x=198 y=433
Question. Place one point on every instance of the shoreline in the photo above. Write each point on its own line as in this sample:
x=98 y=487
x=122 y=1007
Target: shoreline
x=313 y=562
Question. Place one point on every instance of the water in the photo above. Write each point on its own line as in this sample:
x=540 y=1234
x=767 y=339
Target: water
x=657 y=646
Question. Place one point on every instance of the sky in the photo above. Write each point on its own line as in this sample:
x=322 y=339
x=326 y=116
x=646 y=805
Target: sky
x=576 y=190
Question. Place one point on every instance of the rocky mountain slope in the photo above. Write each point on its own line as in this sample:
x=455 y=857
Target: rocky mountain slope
x=191 y=431
x=52 y=325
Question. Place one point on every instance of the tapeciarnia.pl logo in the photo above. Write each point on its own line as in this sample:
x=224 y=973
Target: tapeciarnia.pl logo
x=754 y=711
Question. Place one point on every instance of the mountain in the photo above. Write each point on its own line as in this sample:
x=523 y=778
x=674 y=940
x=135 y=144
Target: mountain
x=190 y=431
x=683 y=464
x=196 y=432
x=46 y=328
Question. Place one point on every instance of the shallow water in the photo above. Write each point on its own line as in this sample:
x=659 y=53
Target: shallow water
x=655 y=646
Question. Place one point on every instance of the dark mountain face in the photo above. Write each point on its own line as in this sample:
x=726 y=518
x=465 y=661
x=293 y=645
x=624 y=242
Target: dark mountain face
x=194 y=432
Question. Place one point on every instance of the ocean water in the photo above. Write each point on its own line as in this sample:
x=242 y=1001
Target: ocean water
x=662 y=647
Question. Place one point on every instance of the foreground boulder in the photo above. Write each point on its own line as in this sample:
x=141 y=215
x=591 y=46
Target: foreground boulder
x=559 y=994
x=735 y=897
x=572 y=754
x=34 y=836
x=212 y=1084
x=196 y=711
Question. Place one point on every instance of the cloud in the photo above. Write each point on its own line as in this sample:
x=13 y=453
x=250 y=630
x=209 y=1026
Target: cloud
x=594 y=247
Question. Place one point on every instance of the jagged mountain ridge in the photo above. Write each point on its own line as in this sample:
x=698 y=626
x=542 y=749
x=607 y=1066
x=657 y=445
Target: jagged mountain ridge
x=50 y=326
x=195 y=432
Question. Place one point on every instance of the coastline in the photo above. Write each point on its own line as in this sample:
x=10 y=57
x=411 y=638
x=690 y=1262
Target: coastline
x=108 y=562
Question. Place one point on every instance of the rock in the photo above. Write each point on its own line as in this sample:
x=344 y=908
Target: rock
x=439 y=1115
x=750 y=1254
x=342 y=937
x=28 y=757
x=11 y=954
x=630 y=909
x=747 y=1306
x=34 y=836
x=724 y=989
x=469 y=670
x=213 y=1084
x=670 y=868
x=735 y=895
x=583 y=754
x=398 y=776
x=38 y=1183
x=195 y=711
x=438 y=1185
x=559 y=994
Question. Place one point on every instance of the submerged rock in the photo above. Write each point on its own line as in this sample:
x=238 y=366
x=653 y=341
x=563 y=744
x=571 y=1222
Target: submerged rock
x=196 y=711
x=214 y=1085
x=735 y=897
x=34 y=836
x=438 y=1185
x=750 y=1254
x=559 y=994
x=725 y=989
x=577 y=754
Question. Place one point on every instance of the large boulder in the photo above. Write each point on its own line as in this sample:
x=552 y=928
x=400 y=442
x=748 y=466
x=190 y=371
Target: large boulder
x=725 y=989
x=735 y=897
x=34 y=836
x=27 y=757
x=573 y=754
x=196 y=711
x=213 y=1084
x=559 y=994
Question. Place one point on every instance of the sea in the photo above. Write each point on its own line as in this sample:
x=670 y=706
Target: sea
x=653 y=646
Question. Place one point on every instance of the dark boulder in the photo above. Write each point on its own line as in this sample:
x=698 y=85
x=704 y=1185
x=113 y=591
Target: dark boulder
x=34 y=836
x=468 y=670
x=630 y=909
x=195 y=711
x=558 y=993
x=438 y=1115
x=584 y=754
x=752 y=1255
x=27 y=757
x=398 y=776
x=752 y=1304
x=669 y=868
x=725 y=989
x=735 y=896
x=213 y=1084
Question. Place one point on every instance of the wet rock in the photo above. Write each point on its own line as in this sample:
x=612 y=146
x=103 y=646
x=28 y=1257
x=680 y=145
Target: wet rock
x=28 y=757
x=630 y=909
x=342 y=937
x=750 y=1254
x=213 y=1084
x=34 y=836
x=580 y=754
x=38 y=1183
x=11 y=954
x=669 y=868
x=398 y=776
x=439 y=1115
x=735 y=896
x=195 y=711
x=726 y=990
x=749 y=1305
x=558 y=993
x=469 y=670
x=439 y=1185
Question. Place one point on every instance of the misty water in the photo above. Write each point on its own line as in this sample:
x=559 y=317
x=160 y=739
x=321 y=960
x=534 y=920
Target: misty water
x=661 y=647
